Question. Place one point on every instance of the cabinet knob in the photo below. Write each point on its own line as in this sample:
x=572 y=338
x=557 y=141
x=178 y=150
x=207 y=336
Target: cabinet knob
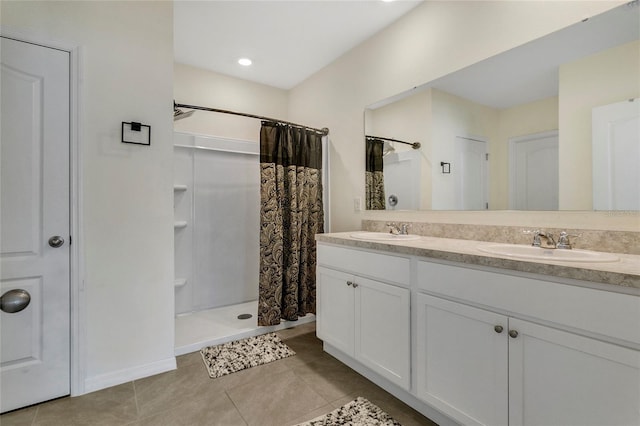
x=349 y=282
x=355 y=285
x=513 y=333
x=498 y=328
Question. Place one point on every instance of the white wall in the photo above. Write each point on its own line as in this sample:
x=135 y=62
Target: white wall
x=195 y=86
x=126 y=74
x=434 y=39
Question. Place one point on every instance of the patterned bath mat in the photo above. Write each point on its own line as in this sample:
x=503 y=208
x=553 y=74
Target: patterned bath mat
x=359 y=412
x=230 y=357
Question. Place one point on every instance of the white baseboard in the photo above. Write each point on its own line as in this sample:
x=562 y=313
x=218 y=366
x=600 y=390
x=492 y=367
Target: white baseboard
x=119 y=377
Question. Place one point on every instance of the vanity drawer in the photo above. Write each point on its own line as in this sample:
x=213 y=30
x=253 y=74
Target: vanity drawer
x=596 y=311
x=384 y=267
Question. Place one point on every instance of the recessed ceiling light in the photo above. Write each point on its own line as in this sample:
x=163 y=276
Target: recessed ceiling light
x=245 y=62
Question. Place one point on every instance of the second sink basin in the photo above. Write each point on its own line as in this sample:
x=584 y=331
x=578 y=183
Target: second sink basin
x=537 y=253
x=383 y=236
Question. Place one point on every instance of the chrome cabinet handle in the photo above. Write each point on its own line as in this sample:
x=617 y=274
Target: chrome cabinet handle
x=14 y=301
x=498 y=329
x=56 y=241
x=355 y=285
x=513 y=334
x=349 y=283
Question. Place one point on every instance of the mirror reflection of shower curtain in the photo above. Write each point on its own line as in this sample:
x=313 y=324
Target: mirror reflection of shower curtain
x=291 y=213
x=374 y=176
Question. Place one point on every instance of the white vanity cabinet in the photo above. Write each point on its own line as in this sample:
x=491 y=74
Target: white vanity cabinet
x=461 y=361
x=481 y=362
x=563 y=378
x=362 y=313
x=475 y=345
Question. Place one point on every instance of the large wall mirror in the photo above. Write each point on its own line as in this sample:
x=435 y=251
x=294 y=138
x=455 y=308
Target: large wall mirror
x=551 y=125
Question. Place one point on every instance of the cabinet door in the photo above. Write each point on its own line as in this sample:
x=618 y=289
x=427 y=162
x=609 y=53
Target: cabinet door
x=462 y=361
x=334 y=309
x=382 y=329
x=559 y=378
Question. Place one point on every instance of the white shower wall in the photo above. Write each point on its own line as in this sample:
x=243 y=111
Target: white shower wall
x=217 y=207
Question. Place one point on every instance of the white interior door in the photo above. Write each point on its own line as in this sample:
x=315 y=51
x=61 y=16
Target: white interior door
x=470 y=172
x=34 y=208
x=533 y=170
x=616 y=156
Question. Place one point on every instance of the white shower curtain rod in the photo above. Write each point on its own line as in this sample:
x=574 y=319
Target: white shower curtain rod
x=415 y=145
x=324 y=131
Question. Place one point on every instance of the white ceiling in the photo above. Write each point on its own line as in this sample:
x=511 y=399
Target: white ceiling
x=288 y=41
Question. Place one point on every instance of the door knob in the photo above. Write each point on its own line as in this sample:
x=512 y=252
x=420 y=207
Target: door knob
x=14 y=301
x=56 y=241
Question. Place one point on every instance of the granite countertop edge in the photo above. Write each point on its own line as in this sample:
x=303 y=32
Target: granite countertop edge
x=623 y=273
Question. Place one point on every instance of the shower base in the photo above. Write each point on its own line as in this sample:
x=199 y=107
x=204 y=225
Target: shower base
x=220 y=325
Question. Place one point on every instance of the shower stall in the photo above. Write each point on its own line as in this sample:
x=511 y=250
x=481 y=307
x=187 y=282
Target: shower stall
x=216 y=209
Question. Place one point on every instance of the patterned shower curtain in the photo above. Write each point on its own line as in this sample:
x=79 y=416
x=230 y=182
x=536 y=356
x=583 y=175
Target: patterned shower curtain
x=374 y=177
x=291 y=213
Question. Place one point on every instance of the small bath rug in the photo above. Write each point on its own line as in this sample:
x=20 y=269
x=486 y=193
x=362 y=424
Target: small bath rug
x=230 y=357
x=359 y=412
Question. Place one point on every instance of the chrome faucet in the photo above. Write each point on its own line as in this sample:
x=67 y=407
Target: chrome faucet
x=550 y=242
x=563 y=240
x=537 y=239
x=393 y=228
x=402 y=229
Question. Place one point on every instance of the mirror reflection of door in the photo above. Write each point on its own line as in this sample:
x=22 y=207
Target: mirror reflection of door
x=616 y=156
x=533 y=172
x=470 y=171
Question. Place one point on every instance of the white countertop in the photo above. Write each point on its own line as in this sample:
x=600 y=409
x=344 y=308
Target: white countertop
x=623 y=273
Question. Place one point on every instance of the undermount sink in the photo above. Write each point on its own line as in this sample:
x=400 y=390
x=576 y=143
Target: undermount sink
x=538 y=253
x=383 y=236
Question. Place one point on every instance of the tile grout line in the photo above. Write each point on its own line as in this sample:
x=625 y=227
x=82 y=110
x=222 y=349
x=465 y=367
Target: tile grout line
x=301 y=379
x=135 y=398
x=236 y=407
x=33 y=422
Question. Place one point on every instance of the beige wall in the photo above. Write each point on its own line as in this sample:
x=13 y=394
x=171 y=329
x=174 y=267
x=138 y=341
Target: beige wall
x=534 y=117
x=453 y=116
x=407 y=120
x=126 y=74
x=195 y=86
x=600 y=79
x=434 y=115
x=434 y=39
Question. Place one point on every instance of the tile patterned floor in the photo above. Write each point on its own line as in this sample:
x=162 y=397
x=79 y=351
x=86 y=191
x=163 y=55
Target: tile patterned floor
x=284 y=392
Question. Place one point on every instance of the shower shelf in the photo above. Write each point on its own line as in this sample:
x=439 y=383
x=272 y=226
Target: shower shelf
x=179 y=282
x=180 y=224
x=178 y=188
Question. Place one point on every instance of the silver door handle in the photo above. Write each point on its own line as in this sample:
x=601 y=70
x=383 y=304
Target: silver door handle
x=14 y=301
x=56 y=241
